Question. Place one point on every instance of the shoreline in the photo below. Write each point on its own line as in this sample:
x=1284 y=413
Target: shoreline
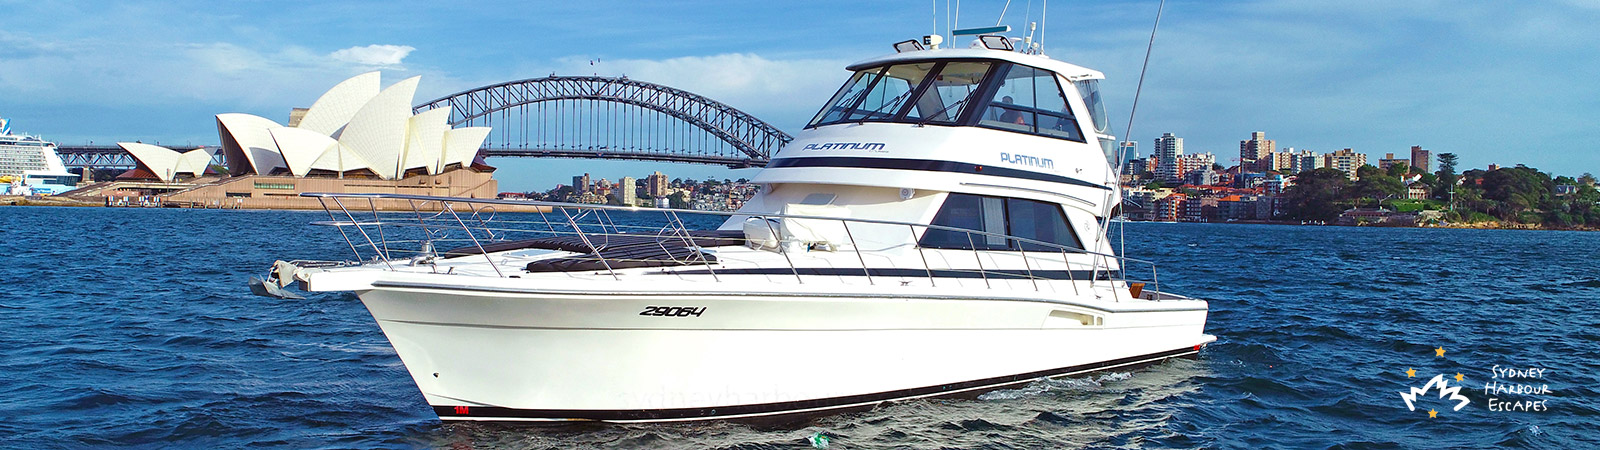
x=68 y=202
x=1492 y=225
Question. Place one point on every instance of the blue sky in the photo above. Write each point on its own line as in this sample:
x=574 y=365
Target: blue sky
x=1494 y=81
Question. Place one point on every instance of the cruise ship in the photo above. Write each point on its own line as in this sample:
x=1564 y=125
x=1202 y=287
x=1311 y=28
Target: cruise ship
x=31 y=165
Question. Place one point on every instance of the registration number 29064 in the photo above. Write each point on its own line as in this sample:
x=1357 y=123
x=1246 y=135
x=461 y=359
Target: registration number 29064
x=673 y=311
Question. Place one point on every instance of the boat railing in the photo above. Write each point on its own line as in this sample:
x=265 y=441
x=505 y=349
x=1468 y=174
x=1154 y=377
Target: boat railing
x=407 y=230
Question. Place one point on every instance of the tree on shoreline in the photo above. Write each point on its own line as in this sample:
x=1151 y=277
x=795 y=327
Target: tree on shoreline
x=1447 y=177
x=1316 y=195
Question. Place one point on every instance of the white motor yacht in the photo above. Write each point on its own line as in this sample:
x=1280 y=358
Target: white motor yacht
x=938 y=229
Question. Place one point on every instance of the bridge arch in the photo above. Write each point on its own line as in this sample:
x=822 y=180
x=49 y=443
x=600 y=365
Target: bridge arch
x=513 y=106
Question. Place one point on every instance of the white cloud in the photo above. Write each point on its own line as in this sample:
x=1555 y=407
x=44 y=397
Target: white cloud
x=373 y=55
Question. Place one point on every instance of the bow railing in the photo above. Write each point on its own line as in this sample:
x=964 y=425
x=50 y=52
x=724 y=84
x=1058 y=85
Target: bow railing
x=409 y=231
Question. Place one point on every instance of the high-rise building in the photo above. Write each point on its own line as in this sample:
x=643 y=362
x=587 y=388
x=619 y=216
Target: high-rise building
x=1193 y=162
x=630 y=191
x=1252 y=152
x=1167 y=150
x=1421 y=159
x=1305 y=160
x=580 y=184
x=1279 y=161
x=1129 y=151
x=1389 y=160
x=1346 y=161
x=656 y=184
x=1201 y=177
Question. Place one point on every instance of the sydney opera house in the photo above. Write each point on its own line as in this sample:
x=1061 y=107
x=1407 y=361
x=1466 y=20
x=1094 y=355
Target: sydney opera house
x=355 y=138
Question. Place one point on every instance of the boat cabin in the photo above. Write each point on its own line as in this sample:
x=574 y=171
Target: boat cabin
x=961 y=91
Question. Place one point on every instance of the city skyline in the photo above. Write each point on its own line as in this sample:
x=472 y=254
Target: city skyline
x=1492 y=83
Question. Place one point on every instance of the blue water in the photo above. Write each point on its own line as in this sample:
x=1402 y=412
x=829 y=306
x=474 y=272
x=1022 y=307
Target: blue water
x=133 y=328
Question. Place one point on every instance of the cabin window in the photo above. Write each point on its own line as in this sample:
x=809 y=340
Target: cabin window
x=847 y=97
x=875 y=94
x=892 y=90
x=1090 y=90
x=1030 y=100
x=949 y=93
x=1022 y=218
x=991 y=94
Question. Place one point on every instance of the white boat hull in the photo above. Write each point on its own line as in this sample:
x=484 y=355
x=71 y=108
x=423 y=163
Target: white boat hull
x=514 y=354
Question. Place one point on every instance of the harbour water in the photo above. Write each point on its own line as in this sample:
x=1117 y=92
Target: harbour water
x=134 y=328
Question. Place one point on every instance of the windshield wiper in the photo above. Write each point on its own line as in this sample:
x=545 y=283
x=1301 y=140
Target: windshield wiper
x=930 y=117
x=893 y=102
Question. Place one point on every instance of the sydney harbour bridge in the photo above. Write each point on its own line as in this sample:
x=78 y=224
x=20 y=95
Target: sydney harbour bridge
x=576 y=117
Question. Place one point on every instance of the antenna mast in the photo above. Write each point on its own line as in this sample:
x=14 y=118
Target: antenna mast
x=1127 y=131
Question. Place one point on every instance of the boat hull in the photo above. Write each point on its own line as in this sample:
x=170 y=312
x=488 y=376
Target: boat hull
x=503 y=355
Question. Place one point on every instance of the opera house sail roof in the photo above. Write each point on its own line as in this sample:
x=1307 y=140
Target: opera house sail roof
x=354 y=129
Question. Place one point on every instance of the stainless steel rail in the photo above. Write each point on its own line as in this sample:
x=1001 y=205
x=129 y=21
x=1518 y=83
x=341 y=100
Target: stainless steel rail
x=483 y=224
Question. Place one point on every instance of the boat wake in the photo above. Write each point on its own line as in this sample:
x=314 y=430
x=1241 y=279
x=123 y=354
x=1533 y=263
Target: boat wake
x=1047 y=385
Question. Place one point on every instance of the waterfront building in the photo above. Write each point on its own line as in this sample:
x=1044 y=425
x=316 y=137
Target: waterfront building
x=1417 y=190
x=656 y=185
x=356 y=137
x=629 y=194
x=1421 y=159
x=1168 y=208
x=1389 y=160
x=1253 y=153
x=1167 y=150
x=165 y=164
x=1139 y=202
x=1346 y=161
x=580 y=184
x=353 y=130
x=1203 y=209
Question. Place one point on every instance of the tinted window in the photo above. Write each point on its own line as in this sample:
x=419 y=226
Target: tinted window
x=1028 y=219
x=1039 y=221
x=969 y=212
x=1030 y=100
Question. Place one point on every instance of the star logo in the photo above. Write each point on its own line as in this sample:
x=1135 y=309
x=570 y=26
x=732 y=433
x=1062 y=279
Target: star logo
x=1439 y=382
x=1443 y=385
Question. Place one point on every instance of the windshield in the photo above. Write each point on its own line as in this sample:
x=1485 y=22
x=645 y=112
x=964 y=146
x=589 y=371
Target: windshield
x=990 y=94
x=950 y=93
x=884 y=93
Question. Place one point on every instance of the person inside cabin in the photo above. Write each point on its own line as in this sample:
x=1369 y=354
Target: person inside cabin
x=1011 y=115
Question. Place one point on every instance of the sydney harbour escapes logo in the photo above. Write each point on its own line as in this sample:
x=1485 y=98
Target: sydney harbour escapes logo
x=1507 y=389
